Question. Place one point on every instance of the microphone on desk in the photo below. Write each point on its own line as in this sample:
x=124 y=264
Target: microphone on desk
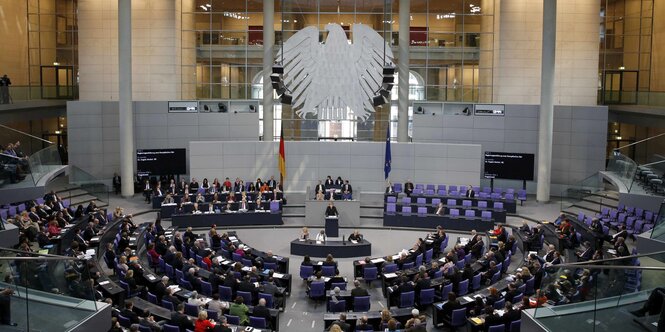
x=343 y=241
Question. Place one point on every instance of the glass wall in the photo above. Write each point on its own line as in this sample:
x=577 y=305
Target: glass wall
x=52 y=49
x=451 y=54
x=625 y=50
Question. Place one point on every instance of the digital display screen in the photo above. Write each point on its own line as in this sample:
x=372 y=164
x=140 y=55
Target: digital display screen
x=161 y=162
x=507 y=165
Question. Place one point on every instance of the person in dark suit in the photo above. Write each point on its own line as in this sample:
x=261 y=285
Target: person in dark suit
x=405 y=286
x=5 y=307
x=329 y=184
x=331 y=210
x=246 y=285
x=320 y=188
x=390 y=189
x=129 y=313
x=355 y=236
x=116 y=183
x=272 y=183
x=347 y=191
x=160 y=288
x=469 y=192
x=491 y=318
x=341 y=322
x=537 y=272
x=358 y=290
x=621 y=233
x=222 y=325
x=363 y=325
x=451 y=305
x=408 y=188
x=262 y=311
x=178 y=318
x=510 y=315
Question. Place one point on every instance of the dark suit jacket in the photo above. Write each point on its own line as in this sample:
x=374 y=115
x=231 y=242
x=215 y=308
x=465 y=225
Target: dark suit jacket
x=347 y=187
x=470 y=193
x=343 y=325
x=262 y=311
x=182 y=321
x=133 y=317
x=319 y=187
x=331 y=211
x=358 y=291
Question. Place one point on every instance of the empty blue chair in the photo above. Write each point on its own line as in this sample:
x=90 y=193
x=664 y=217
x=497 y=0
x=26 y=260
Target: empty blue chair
x=169 y=270
x=170 y=328
x=495 y=277
x=274 y=206
x=361 y=303
x=445 y=290
x=498 y=305
x=390 y=268
x=371 y=273
x=192 y=309
x=406 y=200
x=426 y=297
x=470 y=213
x=475 y=282
x=458 y=318
x=225 y=293
x=407 y=266
x=482 y=204
x=186 y=284
x=270 y=266
x=454 y=212
x=486 y=215
x=422 y=211
x=206 y=288
x=498 y=205
x=231 y=319
x=421 y=201
x=515 y=325
x=124 y=321
x=391 y=199
x=152 y=298
x=317 y=290
x=397 y=187
x=406 y=299
x=339 y=306
x=436 y=201
x=463 y=287
x=419 y=260
x=497 y=328
x=168 y=305
x=328 y=270
x=510 y=197
x=466 y=203
x=451 y=202
x=258 y=322
x=428 y=255
x=406 y=210
x=247 y=297
x=391 y=208
x=452 y=188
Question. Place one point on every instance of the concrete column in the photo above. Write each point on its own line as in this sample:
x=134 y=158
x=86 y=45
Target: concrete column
x=125 y=97
x=268 y=60
x=545 y=127
x=403 y=70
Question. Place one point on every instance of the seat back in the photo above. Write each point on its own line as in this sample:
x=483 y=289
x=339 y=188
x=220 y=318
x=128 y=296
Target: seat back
x=497 y=328
x=486 y=215
x=317 y=289
x=258 y=322
x=463 y=287
x=451 y=202
x=170 y=328
x=231 y=319
x=454 y=212
x=466 y=203
x=371 y=273
x=270 y=301
x=436 y=202
x=426 y=296
x=152 y=298
x=328 y=270
x=225 y=293
x=406 y=299
x=422 y=211
x=498 y=305
x=192 y=309
x=475 y=282
x=391 y=208
x=247 y=297
x=124 y=321
x=361 y=303
x=515 y=325
x=498 y=205
x=392 y=199
x=421 y=201
x=482 y=204
x=428 y=255
x=274 y=207
x=339 y=306
x=406 y=210
x=458 y=317
x=390 y=268
x=206 y=288
x=340 y=285
x=306 y=271
x=470 y=213
x=168 y=305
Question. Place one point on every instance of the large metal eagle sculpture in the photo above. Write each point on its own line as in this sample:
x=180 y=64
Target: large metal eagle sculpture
x=326 y=78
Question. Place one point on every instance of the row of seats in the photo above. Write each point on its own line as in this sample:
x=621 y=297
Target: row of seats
x=391 y=208
x=453 y=190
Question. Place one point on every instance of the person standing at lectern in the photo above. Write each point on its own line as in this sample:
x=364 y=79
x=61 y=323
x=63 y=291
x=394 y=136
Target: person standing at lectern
x=408 y=188
x=331 y=210
x=469 y=192
x=347 y=191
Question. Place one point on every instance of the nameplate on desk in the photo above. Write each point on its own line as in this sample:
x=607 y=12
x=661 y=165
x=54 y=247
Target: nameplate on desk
x=319 y=242
x=69 y=226
x=132 y=239
x=95 y=239
x=105 y=282
x=319 y=263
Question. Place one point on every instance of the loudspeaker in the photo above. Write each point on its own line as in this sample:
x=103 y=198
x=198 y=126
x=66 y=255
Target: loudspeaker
x=252 y=108
x=275 y=78
x=388 y=70
x=466 y=111
x=286 y=99
x=278 y=69
x=388 y=79
x=385 y=93
x=206 y=108
x=222 y=108
x=378 y=101
x=420 y=110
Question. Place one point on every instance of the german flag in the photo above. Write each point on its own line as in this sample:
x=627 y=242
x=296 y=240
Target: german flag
x=282 y=157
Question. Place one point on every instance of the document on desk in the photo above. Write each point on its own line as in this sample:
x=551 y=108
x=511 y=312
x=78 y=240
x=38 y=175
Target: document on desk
x=105 y=282
x=354 y=241
x=390 y=275
x=277 y=275
x=319 y=263
x=463 y=241
x=377 y=260
x=318 y=242
x=468 y=298
x=612 y=251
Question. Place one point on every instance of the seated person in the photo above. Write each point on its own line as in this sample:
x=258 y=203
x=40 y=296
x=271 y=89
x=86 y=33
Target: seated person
x=319 y=195
x=168 y=199
x=390 y=189
x=321 y=236
x=196 y=209
x=304 y=235
x=347 y=191
x=242 y=205
x=355 y=236
x=440 y=209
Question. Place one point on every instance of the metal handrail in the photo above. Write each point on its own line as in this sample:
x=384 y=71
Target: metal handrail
x=20 y=132
x=638 y=142
x=39 y=256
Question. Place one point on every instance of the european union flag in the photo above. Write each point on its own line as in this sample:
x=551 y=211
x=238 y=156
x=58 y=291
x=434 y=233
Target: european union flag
x=388 y=161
